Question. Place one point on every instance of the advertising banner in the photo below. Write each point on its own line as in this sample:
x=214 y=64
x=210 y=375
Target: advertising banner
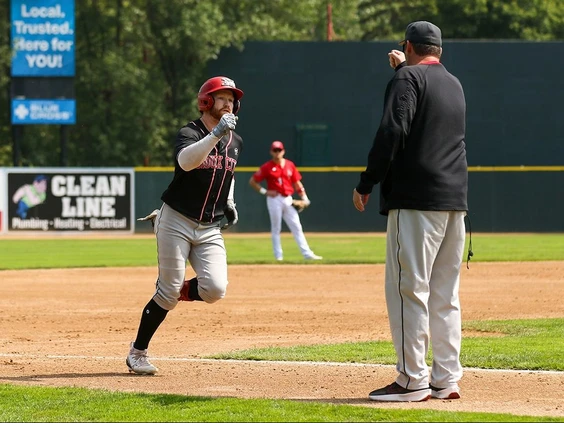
x=60 y=112
x=65 y=199
x=42 y=36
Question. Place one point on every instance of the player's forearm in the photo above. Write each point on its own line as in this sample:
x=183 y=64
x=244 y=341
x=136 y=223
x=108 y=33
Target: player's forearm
x=257 y=187
x=231 y=194
x=302 y=193
x=193 y=156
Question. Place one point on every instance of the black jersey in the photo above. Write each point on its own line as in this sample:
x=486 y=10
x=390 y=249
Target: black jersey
x=419 y=152
x=201 y=194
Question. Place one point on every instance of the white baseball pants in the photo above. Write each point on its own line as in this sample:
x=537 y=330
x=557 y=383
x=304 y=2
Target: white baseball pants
x=279 y=208
x=423 y=259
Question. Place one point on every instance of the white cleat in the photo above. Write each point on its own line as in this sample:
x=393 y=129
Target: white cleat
x=138 y=362
x=450 y=392
x=314 y=257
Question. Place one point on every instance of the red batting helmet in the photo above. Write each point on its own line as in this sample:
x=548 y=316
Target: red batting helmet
x=205 y=99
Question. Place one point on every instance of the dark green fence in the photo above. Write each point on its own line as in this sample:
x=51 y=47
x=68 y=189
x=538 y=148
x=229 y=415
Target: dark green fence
x=324 y=99
x=500 y=201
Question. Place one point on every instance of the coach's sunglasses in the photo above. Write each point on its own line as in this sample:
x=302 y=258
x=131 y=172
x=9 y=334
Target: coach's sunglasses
x=277 y=150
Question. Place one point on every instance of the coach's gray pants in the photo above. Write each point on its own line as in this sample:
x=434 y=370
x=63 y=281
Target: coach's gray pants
x=423 y=259
x=179 y=240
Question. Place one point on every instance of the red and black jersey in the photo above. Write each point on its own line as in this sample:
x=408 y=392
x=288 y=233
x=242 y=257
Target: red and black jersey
x=201 y=193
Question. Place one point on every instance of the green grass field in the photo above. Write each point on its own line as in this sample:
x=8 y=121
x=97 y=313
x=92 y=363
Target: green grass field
x=516 y=345
x=23 y=404
x=336 y=249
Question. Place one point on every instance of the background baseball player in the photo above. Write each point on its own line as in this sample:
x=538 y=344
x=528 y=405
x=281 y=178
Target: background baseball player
x=419 y=159
x=187 y=226
x=282 y=180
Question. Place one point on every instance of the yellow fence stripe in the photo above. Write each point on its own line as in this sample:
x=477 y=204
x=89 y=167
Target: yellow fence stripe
x=360 y=169
x=515 y=168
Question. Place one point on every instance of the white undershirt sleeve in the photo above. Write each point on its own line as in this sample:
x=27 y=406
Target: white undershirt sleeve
x=231 y=195
x=192 y=156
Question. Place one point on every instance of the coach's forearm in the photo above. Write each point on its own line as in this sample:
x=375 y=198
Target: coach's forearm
x=192 y=156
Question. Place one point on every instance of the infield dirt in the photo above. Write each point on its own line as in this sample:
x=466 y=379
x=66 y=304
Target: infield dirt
x=72 y=327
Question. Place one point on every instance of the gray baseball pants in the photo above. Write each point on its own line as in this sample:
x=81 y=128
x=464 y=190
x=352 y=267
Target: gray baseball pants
x=181 y=240
x=423 y=260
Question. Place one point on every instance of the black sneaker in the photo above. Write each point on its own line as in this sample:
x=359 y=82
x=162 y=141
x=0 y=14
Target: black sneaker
x=394 y=392
x=450 y=392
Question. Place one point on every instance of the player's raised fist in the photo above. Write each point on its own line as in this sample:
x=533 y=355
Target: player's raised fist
x=228 y=121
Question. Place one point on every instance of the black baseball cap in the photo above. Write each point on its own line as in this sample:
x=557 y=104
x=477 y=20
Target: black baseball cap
x=423 y=32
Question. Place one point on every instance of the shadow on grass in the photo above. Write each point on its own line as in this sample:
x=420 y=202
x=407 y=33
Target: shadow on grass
x=157 y=398
x=172 y=399
x=338 y=401
x=31 y=378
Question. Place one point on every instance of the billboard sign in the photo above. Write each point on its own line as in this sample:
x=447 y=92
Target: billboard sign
x=69 y=200
x=26 y=112
x=42 y=36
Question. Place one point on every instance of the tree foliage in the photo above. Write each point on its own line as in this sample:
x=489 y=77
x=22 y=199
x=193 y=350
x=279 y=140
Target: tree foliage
x=139 y=63
x=5 y=136
x=463 y=19
x=387 y=20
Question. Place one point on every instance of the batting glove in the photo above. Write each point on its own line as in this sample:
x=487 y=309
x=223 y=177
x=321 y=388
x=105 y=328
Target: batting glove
x=228 y=121
x=231 y=214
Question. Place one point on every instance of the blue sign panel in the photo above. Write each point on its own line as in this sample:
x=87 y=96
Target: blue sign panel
x=29 y=112
x=42 y=34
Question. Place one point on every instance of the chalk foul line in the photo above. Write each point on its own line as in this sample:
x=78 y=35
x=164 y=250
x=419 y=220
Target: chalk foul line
x=260 y=362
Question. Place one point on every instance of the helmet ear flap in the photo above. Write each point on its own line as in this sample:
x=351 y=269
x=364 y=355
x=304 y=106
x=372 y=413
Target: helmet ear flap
x=205 y=102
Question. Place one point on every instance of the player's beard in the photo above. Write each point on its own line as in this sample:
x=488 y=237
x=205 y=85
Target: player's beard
x=217 y=114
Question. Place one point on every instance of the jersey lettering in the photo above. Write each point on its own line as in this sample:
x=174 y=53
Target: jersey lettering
x=230 y=164
x=212 y=162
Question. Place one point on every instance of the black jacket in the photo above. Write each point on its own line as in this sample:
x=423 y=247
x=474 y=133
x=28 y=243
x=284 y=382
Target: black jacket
x=419 y=155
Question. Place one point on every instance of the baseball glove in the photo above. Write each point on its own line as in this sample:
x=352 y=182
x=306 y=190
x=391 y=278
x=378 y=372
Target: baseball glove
x=299 y=205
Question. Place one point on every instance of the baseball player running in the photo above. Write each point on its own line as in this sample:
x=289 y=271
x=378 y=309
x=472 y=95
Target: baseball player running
x=187 y=226
x=419 y=159
x=282 y=180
